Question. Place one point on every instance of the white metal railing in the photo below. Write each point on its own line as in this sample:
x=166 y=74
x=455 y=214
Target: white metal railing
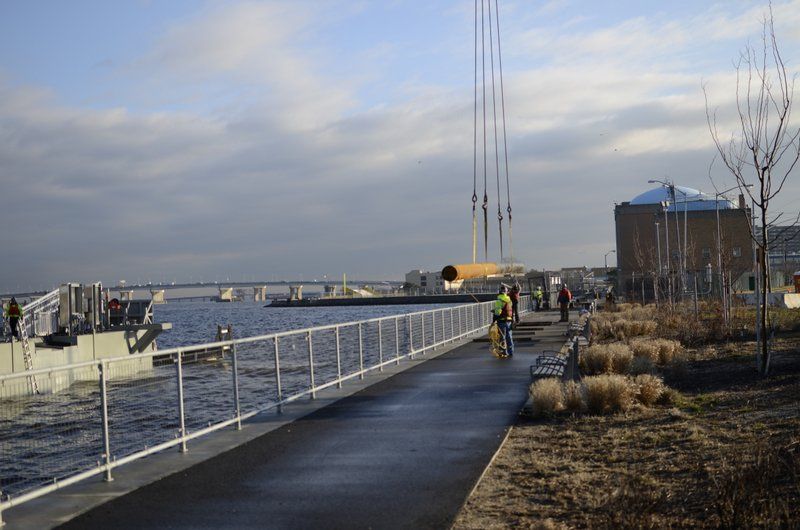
x=95 y=416
x=40 y=317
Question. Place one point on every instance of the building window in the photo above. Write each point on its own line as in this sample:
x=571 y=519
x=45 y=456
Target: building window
x=423 y=278
x=706 y=253
x=737 y=252
x=423 y=283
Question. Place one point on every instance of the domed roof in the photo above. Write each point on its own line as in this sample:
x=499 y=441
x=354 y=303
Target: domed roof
x=688 y=198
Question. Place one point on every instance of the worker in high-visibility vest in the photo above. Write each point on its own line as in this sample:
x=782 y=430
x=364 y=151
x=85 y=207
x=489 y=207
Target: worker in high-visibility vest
x=538 y=295
x=504 y=316
x=13 y=314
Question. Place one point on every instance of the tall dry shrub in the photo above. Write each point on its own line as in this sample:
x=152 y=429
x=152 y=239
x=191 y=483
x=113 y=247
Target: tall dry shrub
x=547 y=397
x=574 y=400
x=661 y=351
x=613 y=358
x=609 y=393
x=648 y=389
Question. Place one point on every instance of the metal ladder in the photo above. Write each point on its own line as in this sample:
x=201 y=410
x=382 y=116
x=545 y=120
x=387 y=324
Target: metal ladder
x=27 y=355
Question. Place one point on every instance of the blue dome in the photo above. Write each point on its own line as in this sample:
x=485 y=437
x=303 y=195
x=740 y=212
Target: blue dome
x=688 y=198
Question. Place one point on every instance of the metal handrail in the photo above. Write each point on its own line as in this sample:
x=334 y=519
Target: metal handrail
x=464 y=321
x=47 y=303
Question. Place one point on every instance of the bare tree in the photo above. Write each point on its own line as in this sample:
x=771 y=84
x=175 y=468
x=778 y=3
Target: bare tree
x=764 y=148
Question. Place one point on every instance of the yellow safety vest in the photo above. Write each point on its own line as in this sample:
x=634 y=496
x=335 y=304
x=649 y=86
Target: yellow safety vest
x=500 y=304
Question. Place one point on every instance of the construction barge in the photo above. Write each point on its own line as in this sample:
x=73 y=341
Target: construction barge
x=385 y=300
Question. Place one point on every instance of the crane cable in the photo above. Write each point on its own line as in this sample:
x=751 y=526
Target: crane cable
x=496 y=148
x=475 y=148
x=505 y=142
x=485 y=205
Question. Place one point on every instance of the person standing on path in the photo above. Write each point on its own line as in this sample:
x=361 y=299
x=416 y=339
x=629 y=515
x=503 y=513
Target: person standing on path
x=514 y=295
x=14 y=314
x=504 y=315
x=564 y=298
x=539 y=296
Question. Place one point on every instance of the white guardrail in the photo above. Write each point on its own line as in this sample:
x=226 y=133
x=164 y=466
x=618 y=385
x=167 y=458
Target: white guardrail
x=94 y=416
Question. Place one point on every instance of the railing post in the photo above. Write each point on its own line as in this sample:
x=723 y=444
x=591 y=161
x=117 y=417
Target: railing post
x=236 y=388
x=452 y=327
x=397 y=340
x=311 y=364
x=460 y=321
x=181 y=410
x=278 y=374
x=338 y=358
x=380 y=346
x=410 y=338
x=433 y=327
x=103 y=367
x=360 y=352
x=423 y=333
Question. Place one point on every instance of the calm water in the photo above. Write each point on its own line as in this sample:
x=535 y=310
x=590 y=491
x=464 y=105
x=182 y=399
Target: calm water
x=49 y=436
x=196 y=322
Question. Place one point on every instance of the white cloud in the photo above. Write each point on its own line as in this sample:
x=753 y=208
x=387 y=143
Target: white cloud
x=289 y=169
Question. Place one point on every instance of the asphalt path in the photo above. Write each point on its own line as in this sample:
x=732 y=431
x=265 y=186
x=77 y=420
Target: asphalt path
x=403 y=453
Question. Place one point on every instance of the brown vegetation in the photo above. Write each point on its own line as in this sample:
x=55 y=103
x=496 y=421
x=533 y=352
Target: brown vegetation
x=721 y=448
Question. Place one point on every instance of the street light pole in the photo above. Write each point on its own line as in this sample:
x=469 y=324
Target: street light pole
x=605 y=260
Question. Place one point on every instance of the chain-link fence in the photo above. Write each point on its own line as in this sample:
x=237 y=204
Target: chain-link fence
x=88 y=418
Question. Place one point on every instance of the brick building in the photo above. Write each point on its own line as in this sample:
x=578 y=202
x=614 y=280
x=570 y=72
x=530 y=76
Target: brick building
x=650 y=227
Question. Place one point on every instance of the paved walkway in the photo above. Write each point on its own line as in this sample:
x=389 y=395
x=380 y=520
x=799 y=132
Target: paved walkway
x=404 y=452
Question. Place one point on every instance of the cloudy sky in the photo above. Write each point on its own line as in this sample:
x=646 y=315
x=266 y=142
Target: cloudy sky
x=189 y=139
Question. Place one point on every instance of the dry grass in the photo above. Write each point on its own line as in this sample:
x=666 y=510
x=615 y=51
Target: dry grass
x=649 y=389
x=608 y=394
x=621 y=328
x=547 y=397
x=661 y=351
x=614 y=358
x=574 y=399
x=641 y=365
x=723 y=453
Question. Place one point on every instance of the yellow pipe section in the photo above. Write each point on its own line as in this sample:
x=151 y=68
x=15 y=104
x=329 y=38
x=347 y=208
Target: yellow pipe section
x=452 y=273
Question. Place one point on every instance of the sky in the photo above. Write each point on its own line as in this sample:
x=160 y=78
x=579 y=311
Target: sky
x=191 y=140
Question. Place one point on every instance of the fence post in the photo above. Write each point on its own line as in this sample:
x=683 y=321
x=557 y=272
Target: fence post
x=311 y=364
x=397 y=340
x=278 y=375
x=236 y=388
x=360 y=353
x=433 y=325
x=181 y=410
x=452 y=326
x=338 y=358
x=380 y=345
x=103 y=367
x=410 y=338
x=423 y=333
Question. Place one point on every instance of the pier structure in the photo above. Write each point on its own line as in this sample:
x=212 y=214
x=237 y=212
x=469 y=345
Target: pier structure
x=72 y=326
x=260 y=293
x=157 y=296
x=295 y=293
